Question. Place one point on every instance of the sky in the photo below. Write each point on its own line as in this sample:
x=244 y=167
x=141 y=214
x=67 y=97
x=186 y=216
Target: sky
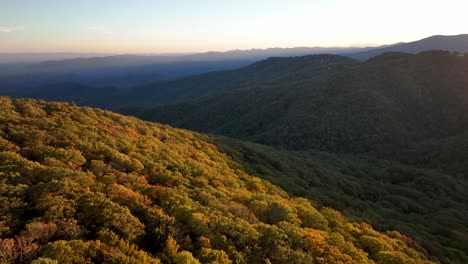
x=184 y=26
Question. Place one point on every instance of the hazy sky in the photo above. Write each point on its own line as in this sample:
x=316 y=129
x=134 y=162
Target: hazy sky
x=153 y=26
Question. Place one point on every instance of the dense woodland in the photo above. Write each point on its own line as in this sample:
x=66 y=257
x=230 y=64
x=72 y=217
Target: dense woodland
x=83 y=185
x=428 y=205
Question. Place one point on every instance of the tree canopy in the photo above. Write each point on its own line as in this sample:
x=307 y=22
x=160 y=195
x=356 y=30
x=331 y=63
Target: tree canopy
x=83 y=185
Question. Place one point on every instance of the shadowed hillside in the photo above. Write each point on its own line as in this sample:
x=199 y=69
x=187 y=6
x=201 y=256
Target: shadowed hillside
x=428 y=205
x=380 y=106
x=272 y=70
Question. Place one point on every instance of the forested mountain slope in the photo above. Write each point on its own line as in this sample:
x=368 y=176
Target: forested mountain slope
x=401 y=107
x=381 y=106
x=83 y=185
x=428 y=205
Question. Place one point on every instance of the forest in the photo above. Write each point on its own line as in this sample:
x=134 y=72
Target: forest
x=429 y=205
x=233 y=132
x=84 y=185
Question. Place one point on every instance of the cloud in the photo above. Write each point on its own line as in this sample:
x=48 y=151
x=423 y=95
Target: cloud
x=10 y=29
x=100 y=29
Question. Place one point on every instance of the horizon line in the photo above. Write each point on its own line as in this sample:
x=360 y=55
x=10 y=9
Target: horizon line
x=195 y=52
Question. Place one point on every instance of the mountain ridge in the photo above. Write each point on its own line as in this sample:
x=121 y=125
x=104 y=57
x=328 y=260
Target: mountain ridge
x=453 y=43
x=133 y=71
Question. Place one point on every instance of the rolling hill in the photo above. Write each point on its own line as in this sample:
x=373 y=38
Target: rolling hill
x=272 y=70
x=83 y=185
x=380 y=106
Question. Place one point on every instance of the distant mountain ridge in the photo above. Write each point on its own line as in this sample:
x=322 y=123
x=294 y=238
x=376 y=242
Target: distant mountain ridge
x=104 y=59
x=456 y=43
x=121 y=61
x=67 y=60
x=125 y=71
x=36 y=57
x=146 y=83
x=30 y=71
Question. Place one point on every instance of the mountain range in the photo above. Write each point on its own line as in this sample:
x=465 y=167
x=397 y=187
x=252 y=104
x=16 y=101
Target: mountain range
x=382 y=105
x=396 y=107
x=124 y=71
x=456 y=43
x=127 y=70
x=357 y=157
